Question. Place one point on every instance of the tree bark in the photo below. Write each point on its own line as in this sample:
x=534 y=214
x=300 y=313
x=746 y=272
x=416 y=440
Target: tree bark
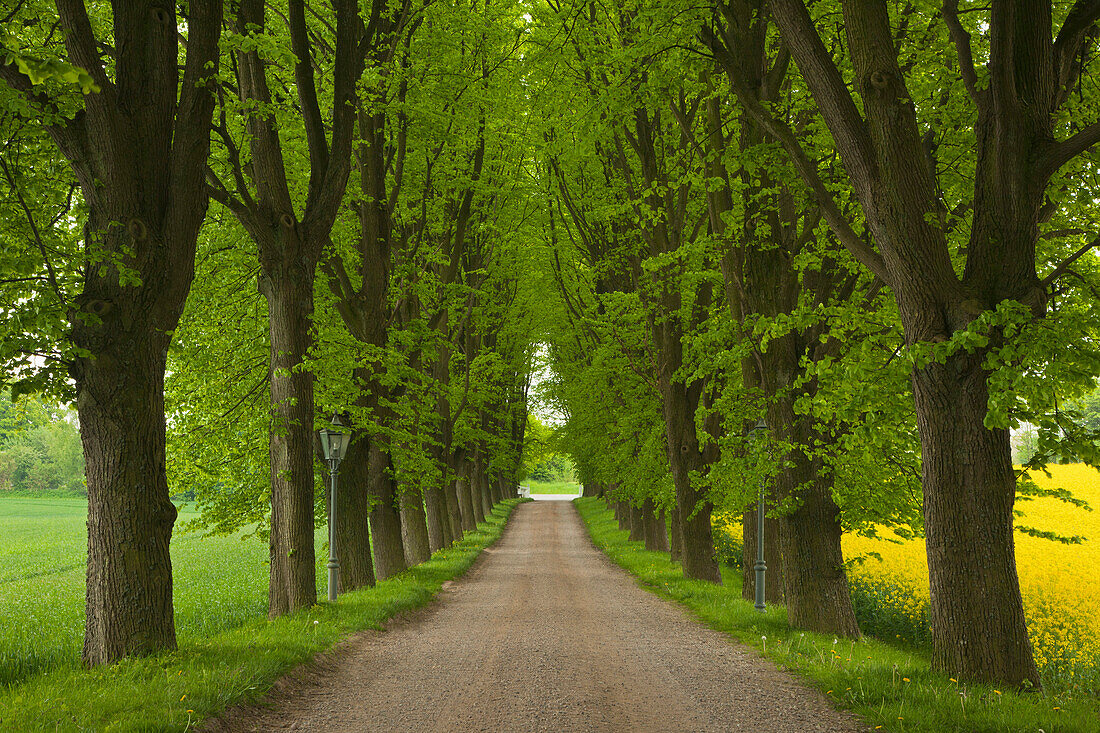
x=385 y=521
x=414 y=527
x=685 y=457
x=462 y=488
x=352 y=507
x=975 y=591
x=435 y=511
x=675 y=536
x=637 y=523
x=288 y=288
x=650 y=526
x=130 y=518
x=455 y=514
x=660 y=532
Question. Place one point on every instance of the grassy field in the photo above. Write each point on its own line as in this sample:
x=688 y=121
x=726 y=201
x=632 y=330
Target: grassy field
x=891 y=687
x=228 y=651
x=42 y=563
x=553 y=487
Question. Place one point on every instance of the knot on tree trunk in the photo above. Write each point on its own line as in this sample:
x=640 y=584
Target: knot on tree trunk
x=137 y=229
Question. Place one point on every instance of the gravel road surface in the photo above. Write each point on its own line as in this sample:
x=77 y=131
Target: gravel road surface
x=543 y=634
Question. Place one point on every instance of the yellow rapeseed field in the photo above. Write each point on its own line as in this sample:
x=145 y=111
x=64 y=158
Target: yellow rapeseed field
x=1059 y=582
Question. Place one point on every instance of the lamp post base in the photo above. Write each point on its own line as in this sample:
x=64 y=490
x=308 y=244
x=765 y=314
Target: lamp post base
x=333 y=578
x=760 y=567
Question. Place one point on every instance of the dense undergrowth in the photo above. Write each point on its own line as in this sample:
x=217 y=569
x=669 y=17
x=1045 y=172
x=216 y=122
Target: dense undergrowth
x=175 y=691
x=890 y=686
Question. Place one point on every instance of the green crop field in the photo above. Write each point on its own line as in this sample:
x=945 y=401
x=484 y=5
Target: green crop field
x=220 y=583
x=553 y=487
x=229 y=652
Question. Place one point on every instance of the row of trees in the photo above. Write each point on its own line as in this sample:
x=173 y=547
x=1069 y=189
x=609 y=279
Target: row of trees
x=231 y=220
x=866 y=227
x=39 y=449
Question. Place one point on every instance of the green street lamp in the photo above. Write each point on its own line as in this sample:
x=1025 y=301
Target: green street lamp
x=334 y=444
x=760 y=567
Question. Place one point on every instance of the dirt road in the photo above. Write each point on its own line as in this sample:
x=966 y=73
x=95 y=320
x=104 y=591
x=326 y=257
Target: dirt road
x=545 y=634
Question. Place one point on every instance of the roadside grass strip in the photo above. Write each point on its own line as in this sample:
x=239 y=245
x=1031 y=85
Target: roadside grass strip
x=177 y=690
x=892 y=688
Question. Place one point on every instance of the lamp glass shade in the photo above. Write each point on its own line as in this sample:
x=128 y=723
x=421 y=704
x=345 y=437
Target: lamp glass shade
x=334 y=443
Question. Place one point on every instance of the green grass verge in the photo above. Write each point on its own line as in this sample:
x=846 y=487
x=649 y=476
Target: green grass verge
x=553 y=487
x=174 y=691
x=893 y=689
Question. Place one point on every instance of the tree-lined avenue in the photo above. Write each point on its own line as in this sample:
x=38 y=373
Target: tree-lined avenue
x=545 y=634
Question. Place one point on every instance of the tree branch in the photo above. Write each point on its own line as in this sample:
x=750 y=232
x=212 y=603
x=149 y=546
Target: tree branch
x=1061 y=153
x=1080 y=20
x=34 y=230
x=1063 y=268
x=961 y=39
x=782 y=133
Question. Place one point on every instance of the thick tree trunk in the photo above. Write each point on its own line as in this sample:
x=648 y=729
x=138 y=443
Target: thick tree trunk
x=637 y=523
x=473 y=488
x=481 y=483
x=287 y=284
x=435 y=512
x=675 y=537
x=496 y=495
x=975 y=590
x=773 y=559
x=414 y=527
x=385 y=521
x=465 y=506
x=651 y=526
x=454 y=509
x=130 y=518
x=815 y=586
x=679 y=403
x=622 y=514
x=352 y=506
x=137 y=149
x=660 y=532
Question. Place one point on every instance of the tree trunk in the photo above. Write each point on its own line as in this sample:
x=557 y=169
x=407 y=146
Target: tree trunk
x=465 y=506
x=679 y=402
x=138 y=149
x=815 y=586
x=130 y=518
x=773 y=559
x=414 y=527
x=975 y=590
x=286 y=282
x=660 y=532
x=675 y=537
x=352 y=506
x=385 y=521
x=637 y=523
x=435 y=511
x=481 y=485
x=649 y=512
x=455 y=514
x=622 y=514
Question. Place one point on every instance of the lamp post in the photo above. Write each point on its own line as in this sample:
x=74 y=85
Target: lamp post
x=760 y=567
x=333 y=444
